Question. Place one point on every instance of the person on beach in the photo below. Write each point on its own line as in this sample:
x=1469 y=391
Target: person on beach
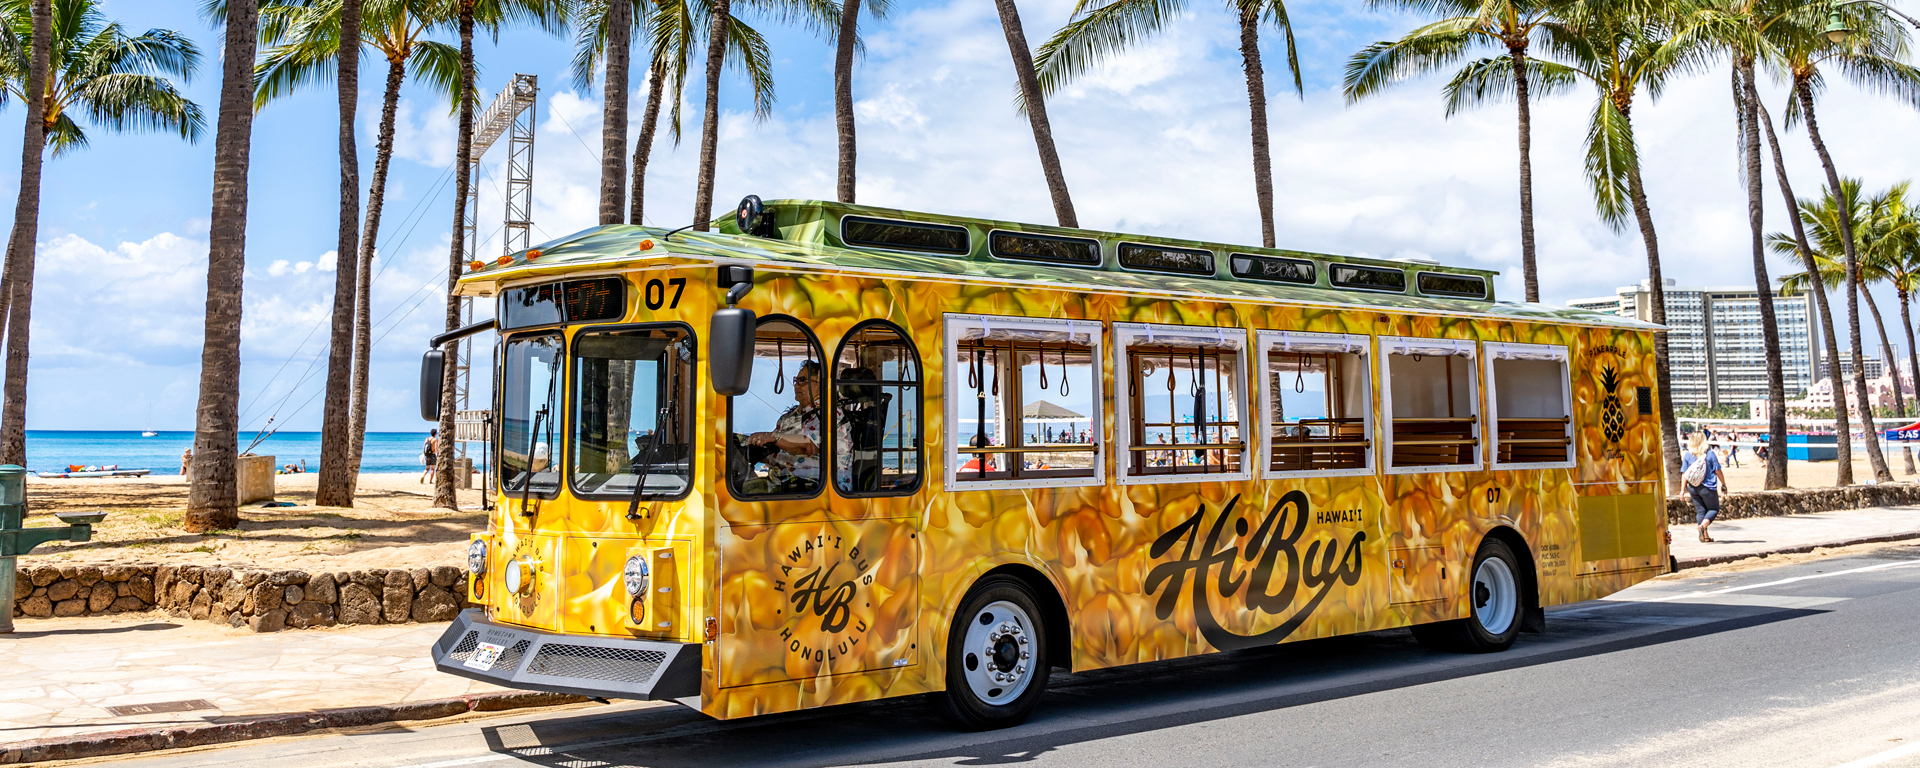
x=186 y=460
x=1703 y=486
x=427 y=453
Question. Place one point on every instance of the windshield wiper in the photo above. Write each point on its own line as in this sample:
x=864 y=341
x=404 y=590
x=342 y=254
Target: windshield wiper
x=661 y=418
x=533 y=435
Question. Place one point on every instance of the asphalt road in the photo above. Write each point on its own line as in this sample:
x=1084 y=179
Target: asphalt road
x=1814 y=664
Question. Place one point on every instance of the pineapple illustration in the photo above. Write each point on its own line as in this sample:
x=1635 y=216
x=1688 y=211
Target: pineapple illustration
x=1612 y=419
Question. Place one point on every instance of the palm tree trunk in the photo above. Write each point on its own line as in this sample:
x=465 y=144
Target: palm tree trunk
x=1528 y=271
x=335 y=484
x=212 y=501
x=1843 y=430
x=1657 y=293
x=363 y=294
x=643 y=149
x=1257 y=104
x=443 y=495
x=843 y=93
x=1893 y=371
x=1803 y=89
x=613 y=129
x=20 y=247
x=1036 y=105
x=1747 y=98
x=1913 y=355
x=719 y=18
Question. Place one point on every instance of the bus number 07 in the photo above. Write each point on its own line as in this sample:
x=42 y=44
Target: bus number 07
x=656 y=292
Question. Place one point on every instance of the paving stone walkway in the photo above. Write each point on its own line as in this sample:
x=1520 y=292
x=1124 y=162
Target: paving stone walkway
x=63 y=675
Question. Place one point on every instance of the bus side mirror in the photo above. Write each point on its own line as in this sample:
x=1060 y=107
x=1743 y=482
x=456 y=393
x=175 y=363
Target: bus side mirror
x=433 y=373
x=730 y=350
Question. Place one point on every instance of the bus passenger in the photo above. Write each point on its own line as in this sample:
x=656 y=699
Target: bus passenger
x=794 y=464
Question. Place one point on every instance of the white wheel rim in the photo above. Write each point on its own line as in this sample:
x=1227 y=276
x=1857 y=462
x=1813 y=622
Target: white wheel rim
x=997 y=655
x=1496 y=599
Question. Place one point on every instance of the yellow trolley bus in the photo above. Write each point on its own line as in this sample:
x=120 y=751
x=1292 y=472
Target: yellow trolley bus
x=832 y=453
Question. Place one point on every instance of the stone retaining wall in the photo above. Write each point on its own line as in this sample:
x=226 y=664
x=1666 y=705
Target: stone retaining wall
x=264 y=601
x=1734 y=506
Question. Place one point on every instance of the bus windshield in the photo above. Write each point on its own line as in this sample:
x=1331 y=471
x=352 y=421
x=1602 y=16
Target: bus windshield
x=633 y=391
x=529 y=379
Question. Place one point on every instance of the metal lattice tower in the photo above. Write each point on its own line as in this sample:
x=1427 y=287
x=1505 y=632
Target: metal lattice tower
x=512 y=113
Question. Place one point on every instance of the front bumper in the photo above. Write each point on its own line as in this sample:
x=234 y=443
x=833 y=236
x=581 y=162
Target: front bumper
x=606 y=667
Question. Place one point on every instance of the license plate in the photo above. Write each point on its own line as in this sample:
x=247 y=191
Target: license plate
x=485 y=655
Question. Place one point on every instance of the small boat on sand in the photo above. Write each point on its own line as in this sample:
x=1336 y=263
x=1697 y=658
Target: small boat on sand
x=109 y=470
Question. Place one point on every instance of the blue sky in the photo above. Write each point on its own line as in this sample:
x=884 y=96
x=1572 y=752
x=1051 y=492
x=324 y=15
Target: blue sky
x=1154 y=142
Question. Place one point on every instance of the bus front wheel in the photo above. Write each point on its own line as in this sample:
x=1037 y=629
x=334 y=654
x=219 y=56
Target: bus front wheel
x=1495 y=604
x=997 y=664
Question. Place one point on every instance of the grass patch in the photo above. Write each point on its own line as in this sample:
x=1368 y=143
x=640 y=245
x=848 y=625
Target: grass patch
x=207 y=548
x=164 y=519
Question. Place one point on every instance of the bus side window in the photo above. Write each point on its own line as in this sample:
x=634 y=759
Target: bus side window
x=1023 y=401
x=1185 y=402
x=774 y=441
x=876 y=412
x=1318 y=395
x=1430 y=390
x=1531 y=404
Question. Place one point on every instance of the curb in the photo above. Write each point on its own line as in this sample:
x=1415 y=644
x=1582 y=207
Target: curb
x=1702 y=562
x=248 y=727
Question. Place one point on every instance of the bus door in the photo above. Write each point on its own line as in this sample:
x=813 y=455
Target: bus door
x=812 y=585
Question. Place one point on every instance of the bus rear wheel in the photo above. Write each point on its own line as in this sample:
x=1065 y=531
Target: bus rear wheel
x=1495 y=603
x=997 y=664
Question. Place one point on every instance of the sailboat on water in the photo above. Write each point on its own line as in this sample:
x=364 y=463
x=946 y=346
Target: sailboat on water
x=149 y=432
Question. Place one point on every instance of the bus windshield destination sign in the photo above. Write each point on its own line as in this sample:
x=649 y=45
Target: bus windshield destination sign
x=572 y=301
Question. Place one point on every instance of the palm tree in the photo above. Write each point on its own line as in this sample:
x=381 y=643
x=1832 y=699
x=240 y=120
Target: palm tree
x=1878 y=242
x=1510 y=25
x=1103 y=27
x=1739 y=28
x=848 y=40
x=1622 y=48
x=26 y=212
x=334 y=487
x=1033 y=102
x=550 y=15
x=92 y=68
x=606 y=32
x=301 y=43
x=1871 y=56
x=212 y=494
x=1843 y=431
x=1902 y=265
x=724 y=43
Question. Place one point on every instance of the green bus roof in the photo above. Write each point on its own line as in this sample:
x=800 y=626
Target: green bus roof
x=811 y=233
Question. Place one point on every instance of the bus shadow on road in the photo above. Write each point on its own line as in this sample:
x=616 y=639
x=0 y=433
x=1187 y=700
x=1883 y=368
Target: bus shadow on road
x=1101 y=704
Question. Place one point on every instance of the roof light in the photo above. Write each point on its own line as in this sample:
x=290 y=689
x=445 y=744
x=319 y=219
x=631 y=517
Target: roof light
x=504 y=260
x=646 y=245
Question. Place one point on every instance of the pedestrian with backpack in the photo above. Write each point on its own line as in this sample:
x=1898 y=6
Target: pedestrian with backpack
x=1702 y=476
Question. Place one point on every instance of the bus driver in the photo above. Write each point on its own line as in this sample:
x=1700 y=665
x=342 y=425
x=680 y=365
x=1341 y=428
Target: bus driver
x=793 y=455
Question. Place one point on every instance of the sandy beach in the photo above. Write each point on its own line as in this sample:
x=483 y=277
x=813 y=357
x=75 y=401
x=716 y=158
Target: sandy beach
x=392 y=524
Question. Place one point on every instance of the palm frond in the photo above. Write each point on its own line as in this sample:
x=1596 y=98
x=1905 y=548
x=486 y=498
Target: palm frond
x=747 y=50
x=1099 y=29
x=1421 y=51
x=1611 y=155
x=436 y=66
x=1491 y=79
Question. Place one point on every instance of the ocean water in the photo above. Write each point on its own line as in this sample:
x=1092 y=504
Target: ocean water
x=52 y=450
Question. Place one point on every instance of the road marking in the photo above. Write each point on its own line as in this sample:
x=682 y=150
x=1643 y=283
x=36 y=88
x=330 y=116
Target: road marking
x=1884 y=757
x=1617 y=602
x=1863 y=569
x=461 y=761
x=1766 y=601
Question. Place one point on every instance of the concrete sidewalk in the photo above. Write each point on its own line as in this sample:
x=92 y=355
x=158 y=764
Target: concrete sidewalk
x=1759 y=536
x=80 y=687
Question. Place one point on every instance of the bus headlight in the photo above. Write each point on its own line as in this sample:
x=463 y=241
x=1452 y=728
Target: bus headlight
x=635 y=575
x=477 y=557
x=519 y=575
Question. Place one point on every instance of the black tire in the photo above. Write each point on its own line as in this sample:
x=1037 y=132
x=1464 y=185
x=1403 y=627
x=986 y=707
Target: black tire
x=995 y=688
x=1496 y=601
